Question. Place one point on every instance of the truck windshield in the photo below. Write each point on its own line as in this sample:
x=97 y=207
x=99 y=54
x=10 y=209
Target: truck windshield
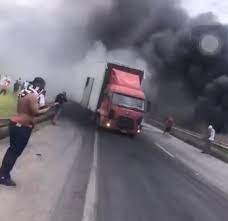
x=129 y=102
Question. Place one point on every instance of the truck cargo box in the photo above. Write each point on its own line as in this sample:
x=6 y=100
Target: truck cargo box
x=96 y=82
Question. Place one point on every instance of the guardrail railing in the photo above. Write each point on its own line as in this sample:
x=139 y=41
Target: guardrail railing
x=5 y=122
x=196 y=139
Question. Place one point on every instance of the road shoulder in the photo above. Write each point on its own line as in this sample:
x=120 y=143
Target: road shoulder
x=212 y=170
x=40 y=173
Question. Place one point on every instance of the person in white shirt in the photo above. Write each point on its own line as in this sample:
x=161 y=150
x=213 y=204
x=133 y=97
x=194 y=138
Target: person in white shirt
x=25 y=85
x=209 y=139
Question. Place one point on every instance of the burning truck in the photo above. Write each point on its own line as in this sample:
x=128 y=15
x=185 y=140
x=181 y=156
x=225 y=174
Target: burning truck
x=118 y=98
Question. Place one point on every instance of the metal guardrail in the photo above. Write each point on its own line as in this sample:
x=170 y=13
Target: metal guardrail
x=5 y=122
x=199 y=139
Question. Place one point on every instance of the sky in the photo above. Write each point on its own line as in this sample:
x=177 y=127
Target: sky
x=51 y=4
x=194 y=7
x=218 y=7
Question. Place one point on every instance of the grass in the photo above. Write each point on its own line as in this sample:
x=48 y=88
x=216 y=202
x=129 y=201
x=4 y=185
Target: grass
x=7 y=105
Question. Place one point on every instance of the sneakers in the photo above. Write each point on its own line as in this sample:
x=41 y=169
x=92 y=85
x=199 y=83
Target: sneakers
x=7 y=182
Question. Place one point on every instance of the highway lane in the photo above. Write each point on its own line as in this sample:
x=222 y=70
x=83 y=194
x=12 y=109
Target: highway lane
x=138 y=181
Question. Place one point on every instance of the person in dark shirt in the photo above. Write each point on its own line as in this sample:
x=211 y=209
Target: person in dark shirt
x=60 y=100
x=16 y=87
x=169 y=122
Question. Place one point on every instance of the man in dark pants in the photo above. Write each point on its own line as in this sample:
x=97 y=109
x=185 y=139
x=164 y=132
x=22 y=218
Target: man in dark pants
x=210 y=138
x=60 y=100
x=20 y=127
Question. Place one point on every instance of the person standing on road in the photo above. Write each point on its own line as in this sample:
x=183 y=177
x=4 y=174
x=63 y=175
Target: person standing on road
x=169 y=122
x=60 y=100
x=20 y=127
x=210 y=138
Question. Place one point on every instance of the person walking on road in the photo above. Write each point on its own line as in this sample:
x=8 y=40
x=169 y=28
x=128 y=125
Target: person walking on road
x=169 y=122
x=60 y=100
x=210 y=138
x=20 y=127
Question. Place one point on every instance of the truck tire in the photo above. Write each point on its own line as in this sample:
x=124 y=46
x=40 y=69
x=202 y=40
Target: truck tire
x=98 y=121
x=132 y=136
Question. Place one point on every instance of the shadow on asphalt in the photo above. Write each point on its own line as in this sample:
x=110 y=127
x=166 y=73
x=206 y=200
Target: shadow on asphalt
x=76 y=113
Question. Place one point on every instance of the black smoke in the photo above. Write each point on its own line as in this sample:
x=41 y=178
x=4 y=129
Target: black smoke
x=189 y=85
x=192 y=85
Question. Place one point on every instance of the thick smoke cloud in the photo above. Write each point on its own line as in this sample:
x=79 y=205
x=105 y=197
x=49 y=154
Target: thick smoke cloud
x=46 y=39
x=66 y=39
x=192 y=85
x=55 y=40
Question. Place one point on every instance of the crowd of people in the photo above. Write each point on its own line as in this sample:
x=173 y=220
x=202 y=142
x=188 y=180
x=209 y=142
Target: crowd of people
x=31 y=103
x=5 y=85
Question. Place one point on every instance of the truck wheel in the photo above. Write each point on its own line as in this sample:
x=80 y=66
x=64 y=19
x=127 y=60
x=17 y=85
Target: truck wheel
x=98 y=120
x=132 y=136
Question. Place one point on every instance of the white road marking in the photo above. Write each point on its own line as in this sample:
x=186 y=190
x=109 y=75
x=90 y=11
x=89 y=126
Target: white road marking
x=90 y=207
x=147 y=126
x=163 y=149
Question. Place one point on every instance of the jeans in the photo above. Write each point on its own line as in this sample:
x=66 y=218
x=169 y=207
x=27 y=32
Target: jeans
x=19 y=137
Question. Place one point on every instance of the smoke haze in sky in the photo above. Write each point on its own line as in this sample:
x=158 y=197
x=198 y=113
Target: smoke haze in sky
x=57 y=38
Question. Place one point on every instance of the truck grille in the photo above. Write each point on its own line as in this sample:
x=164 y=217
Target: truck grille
x=125 y=123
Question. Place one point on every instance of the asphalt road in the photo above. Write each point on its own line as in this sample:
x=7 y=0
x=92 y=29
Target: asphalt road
x=86 y=175
x=139 y=182
x=136 y=181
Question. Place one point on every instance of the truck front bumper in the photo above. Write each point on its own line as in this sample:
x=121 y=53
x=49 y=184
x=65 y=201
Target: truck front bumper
x=114 y=125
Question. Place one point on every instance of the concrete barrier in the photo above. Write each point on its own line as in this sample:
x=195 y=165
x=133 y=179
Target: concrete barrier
x=218 y=150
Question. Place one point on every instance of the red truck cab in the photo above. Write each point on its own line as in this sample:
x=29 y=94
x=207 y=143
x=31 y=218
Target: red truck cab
x=122 y=102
